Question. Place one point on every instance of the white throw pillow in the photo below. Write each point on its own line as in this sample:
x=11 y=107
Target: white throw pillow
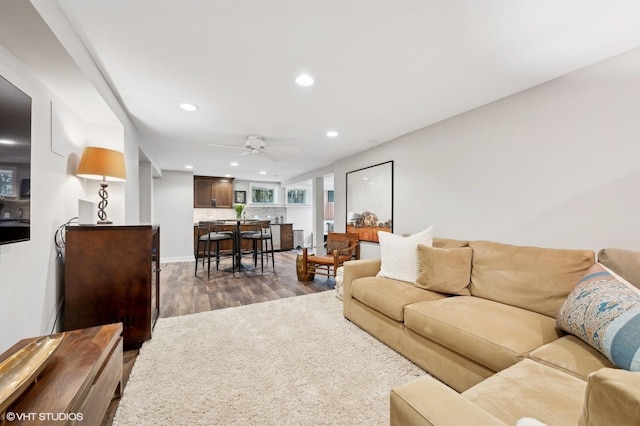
x=399 y=255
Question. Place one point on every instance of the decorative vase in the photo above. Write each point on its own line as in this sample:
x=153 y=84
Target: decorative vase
x=239 y=208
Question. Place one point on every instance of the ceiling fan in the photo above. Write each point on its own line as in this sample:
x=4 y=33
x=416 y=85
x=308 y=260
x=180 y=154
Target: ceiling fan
x=256 y=145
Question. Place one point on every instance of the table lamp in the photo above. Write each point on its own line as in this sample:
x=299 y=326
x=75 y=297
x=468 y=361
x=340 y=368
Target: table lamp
x=102 y=164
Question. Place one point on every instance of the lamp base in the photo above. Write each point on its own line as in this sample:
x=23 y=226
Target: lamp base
x=102 y=205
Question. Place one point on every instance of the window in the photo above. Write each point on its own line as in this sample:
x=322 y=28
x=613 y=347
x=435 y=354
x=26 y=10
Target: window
x=297 y=196
x=328 y=205
x=8 y=182
x=261 y=194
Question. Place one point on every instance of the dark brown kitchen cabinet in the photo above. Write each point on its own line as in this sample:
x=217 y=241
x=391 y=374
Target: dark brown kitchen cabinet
x=286 y=236
x=112 y=274
x=212 y=192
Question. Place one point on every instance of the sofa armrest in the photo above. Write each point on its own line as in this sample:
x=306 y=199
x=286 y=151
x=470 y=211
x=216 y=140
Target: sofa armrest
x=612 y=398
x=356 y=269
x=427 y=401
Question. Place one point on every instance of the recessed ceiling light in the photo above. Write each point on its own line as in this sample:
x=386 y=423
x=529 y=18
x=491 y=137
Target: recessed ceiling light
x=188 y=107
x=262 y=172
x=188 y=166
x=304 y=80
x=227 y=175
x=7 y=142
x=332 y=133
x=234 y=164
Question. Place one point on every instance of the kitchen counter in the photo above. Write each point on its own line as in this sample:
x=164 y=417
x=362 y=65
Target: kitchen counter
x=282 y=234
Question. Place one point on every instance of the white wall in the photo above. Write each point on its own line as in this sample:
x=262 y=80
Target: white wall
x=553 y=166
x=145 y=193
x=29 y=282
x=31 y=272
x=173 y=211
x=129 y=141
x=302 y=218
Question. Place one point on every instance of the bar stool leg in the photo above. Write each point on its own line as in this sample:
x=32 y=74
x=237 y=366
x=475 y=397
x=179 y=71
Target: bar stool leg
x=197 y=250
x=208 y=258
x=262 y=255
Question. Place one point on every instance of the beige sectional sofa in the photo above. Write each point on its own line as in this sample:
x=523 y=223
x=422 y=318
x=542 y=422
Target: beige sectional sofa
x=495 y=346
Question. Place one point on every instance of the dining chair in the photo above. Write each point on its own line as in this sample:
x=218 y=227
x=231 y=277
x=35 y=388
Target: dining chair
x=261 y=237
x=212 y=233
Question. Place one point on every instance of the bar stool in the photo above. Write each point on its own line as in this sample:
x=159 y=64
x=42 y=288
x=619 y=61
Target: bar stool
x=210 y=232
x=261 y=237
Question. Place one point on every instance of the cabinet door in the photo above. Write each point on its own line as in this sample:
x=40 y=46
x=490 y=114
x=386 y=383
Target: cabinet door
x=223 y=193
x=286 y=236
x=202 y=192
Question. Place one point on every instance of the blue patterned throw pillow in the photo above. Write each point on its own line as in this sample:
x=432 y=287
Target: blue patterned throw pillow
x=605 y=313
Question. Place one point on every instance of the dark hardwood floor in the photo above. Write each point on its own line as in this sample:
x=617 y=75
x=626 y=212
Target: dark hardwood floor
x=183 y=293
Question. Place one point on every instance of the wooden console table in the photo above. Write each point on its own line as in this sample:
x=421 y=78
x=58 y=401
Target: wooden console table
x=77 y=384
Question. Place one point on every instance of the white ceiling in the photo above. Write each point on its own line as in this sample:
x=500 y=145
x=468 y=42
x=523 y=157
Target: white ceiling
x=382 y=68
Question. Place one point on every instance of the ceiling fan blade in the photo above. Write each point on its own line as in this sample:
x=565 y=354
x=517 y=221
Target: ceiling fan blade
x=224 y=146
x=268 y=156
x=285 y=149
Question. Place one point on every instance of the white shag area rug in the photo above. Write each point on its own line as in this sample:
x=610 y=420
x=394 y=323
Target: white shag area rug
x=289 y=361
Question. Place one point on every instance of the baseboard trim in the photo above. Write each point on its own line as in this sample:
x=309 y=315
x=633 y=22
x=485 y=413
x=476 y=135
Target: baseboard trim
x=177 y=259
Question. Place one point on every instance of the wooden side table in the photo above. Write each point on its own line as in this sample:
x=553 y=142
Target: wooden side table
x=300 y=270
x=77 y=384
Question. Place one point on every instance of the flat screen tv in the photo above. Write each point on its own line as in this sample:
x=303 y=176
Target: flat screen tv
x=15 y=164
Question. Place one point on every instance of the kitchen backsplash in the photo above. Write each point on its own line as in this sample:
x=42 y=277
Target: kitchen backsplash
x=250 y=212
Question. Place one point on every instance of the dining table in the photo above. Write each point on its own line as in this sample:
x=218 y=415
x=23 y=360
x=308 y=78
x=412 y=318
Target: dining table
x=238 y=240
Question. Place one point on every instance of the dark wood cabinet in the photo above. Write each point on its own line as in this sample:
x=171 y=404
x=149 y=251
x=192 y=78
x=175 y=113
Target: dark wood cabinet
x=282 y=234
x=112 y=274
x=212 y=192
x=202 y=195
x=286 y=236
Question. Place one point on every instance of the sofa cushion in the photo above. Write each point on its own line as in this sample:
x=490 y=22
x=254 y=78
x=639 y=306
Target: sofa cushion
x=530 y=389
x=440 y=242
x=389 y=297
x=625 y=263
x=427 y=401
x=604 y=312
x=399 y=255
x=532 y=278
x=492 y=334
x=445 y=270
x=612 y=398
x=571 y=355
